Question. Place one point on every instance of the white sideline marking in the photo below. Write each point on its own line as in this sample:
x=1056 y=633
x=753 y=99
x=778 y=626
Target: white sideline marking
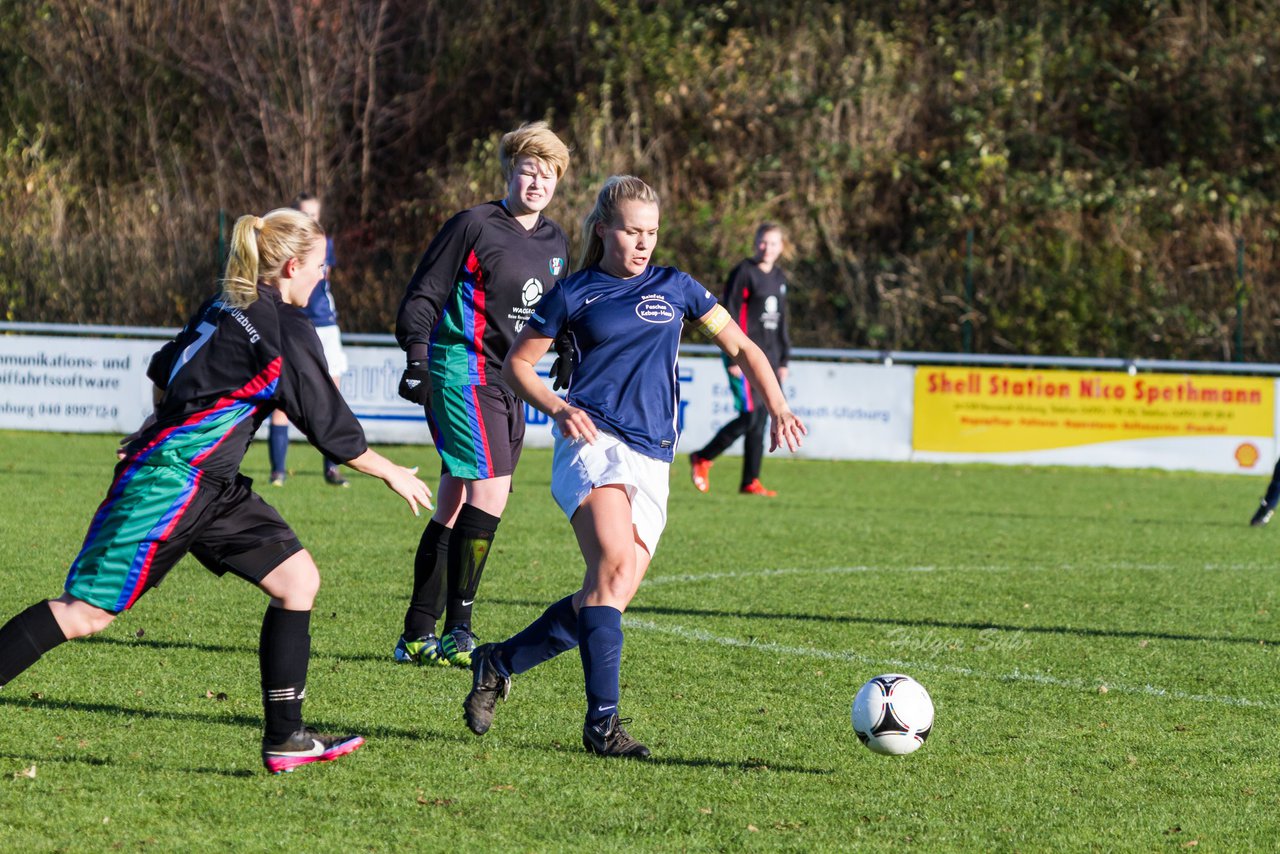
x=907 y=666
x=690 y=578
x=762 y=573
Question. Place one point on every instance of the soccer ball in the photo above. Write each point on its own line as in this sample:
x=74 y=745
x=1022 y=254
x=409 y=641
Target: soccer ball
x=892 y=714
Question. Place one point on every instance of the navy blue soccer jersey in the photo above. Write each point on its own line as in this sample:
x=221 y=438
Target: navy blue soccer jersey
x=627 y=336
x=321 y=308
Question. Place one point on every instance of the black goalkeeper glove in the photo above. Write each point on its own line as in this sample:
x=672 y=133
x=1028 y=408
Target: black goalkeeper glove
x=415 y=383
x=562 y=367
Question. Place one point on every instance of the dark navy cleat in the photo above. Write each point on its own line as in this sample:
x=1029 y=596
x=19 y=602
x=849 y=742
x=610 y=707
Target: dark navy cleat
x=1262 y=516
x=610 y=739
x=487 y=687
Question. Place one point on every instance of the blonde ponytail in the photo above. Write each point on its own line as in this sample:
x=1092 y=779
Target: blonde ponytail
x=240 y=284
x=260 y=246
x=616 y=190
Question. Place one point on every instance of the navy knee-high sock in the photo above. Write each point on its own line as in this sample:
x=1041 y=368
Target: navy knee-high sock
x=278 y=446
x=25 y=638
x=600 y=645
x=283 y=654
x=542 y=640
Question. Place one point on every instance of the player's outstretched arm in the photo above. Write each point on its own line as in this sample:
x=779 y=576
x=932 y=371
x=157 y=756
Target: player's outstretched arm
x=785 y=427
x=521 y=374
x=402 y=481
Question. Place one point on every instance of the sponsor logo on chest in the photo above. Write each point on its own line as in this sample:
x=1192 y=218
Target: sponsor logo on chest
x=654 y=308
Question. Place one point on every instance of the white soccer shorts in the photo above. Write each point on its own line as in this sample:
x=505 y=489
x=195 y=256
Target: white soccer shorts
x=334 y=355
x=578 y=467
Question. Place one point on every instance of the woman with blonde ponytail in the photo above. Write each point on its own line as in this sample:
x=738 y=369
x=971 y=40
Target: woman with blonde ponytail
x=615 y=438
x=323 y=313
x=247 y=351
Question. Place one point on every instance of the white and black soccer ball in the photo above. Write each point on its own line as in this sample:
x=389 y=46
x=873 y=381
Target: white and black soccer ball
x=892 y=714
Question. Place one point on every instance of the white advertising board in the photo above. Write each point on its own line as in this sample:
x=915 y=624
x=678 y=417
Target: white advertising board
x=74 y=385
x=852 y=411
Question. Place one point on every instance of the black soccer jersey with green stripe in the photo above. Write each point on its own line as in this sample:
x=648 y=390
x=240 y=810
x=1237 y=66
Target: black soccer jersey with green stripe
x=474 y=289
x=757 y=301
x=223 y=375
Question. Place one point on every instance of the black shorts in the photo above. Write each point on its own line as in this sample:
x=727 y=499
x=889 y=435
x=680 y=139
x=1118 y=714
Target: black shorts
x=478 y=430
x=155 y=514
x=248 y=537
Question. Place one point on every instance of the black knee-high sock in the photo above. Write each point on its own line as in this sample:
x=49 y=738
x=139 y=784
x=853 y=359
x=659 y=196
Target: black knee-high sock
x=1273 y=488
x=727 y=435
x=426 y=606
x=25 y=638
x=468 y=550
x=753 y=446
x=283 y=654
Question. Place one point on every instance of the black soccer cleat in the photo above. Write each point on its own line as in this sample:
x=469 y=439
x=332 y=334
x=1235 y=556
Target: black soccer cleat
x=487 y=687
x=1263 y=515
x=306 y=746
x=610 y=739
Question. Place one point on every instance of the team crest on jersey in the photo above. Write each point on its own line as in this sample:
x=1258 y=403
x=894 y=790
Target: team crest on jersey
x=655 y=309
x=557 y=266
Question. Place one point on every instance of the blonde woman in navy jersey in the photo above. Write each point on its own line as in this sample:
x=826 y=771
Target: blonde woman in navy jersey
x=245 y=353
x=474 y=289
x=614 y=443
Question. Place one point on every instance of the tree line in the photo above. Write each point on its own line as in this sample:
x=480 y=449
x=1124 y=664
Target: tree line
x=1102 y=174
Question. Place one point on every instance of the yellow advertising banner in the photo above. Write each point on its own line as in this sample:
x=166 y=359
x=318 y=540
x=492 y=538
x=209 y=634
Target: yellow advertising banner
x=976 y=411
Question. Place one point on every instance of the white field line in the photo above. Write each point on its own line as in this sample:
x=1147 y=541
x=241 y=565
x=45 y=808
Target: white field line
x=903 y=666
x=765 y=573
x=693 y=578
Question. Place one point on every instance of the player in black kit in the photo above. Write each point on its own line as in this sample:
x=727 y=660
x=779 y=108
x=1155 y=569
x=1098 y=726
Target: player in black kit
x=177 y=489
x=756 y=297
x=474 y=289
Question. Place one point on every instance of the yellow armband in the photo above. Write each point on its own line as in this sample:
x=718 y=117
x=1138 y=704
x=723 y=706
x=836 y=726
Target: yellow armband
x=714 y=322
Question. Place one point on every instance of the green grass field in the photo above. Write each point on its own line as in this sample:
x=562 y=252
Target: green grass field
x=1098 y=644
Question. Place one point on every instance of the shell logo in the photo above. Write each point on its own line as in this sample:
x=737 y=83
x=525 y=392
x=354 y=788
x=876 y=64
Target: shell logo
x=1247 y=455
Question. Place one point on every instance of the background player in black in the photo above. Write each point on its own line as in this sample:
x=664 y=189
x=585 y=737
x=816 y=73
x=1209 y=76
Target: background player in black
x=177 y=487
x=1270 y=499
x=756 y=298
x=474 y=289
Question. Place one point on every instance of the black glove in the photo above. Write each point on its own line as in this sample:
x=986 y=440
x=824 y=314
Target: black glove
x=415 y=383
x=562 y=367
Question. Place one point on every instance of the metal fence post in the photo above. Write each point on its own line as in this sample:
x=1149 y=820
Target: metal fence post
x=1240 y=285
x=966 y=326
x=222 y=239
